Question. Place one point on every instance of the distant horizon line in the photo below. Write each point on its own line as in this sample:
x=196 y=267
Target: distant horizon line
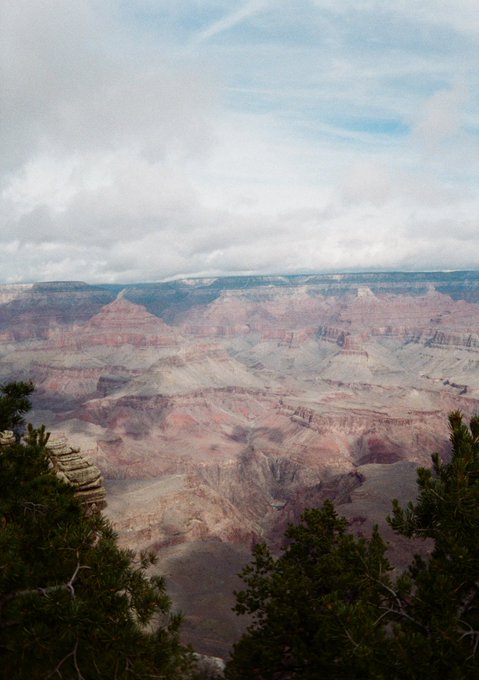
x=242 y=275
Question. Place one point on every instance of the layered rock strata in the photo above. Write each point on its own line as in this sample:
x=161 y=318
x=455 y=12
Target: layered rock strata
x=71 y=467
x=76 y=470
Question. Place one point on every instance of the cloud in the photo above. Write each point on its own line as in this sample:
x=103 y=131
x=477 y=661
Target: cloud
x=440 y=117
x=134 y=146
x=70 y=88
x=232 y=19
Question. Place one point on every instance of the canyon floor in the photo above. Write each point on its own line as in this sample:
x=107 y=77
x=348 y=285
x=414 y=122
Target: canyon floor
x=218 y=409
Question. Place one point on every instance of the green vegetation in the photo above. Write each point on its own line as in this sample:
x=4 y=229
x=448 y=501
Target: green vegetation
x=72 y=604
x=329 y=606
x=14 y=403
x=314 y=609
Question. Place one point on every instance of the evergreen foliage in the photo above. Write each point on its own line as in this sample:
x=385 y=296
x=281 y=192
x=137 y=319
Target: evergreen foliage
x=14 y=403
x=328 y=607
x=72 y=603
x=441 y=594
x=315 y=607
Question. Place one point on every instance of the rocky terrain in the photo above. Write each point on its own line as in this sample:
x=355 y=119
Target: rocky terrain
x=216 y=410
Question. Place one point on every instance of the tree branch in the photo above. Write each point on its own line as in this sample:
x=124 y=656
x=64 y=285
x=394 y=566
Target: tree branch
x=49 y=589
x=72 y=654
x=400 y=610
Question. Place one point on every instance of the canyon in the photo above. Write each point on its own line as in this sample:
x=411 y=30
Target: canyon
x=218 y=409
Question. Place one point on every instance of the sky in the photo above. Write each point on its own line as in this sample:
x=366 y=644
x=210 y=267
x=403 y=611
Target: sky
x=142 y=140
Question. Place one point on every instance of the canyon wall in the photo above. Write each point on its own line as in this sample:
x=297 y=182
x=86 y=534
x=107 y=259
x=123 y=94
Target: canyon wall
x=217 y=409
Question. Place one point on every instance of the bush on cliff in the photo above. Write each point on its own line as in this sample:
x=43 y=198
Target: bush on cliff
x=72 y=604
x=328 y=607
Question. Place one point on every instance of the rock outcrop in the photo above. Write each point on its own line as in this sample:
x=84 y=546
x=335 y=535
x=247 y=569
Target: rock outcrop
x=71 y=467
x=78 y=471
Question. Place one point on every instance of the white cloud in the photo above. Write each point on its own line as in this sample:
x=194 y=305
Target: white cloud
x=317 y=135
x=440 y=117
x=231 y=19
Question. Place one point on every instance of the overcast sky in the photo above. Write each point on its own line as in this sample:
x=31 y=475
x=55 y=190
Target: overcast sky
x=147 y=139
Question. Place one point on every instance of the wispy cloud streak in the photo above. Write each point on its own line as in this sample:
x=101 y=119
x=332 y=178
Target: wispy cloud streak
x=232 y=19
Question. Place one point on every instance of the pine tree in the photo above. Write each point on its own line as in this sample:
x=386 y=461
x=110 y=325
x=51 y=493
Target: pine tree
x=438 y=633
x=328 y=607
x=314 y=608
x=72 y=603
x=14 y=403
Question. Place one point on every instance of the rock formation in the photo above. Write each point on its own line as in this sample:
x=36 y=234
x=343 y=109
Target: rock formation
x=76 y=470
x=71 y=467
